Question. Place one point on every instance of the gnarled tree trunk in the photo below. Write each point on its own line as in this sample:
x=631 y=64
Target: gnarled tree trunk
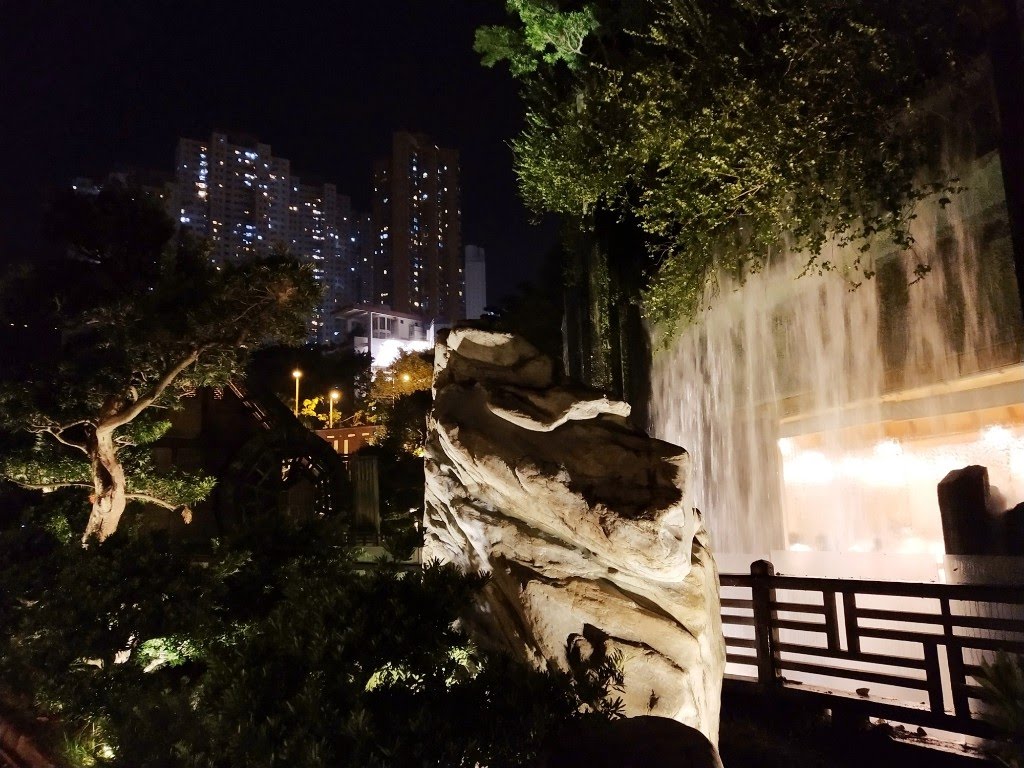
x=109 y=495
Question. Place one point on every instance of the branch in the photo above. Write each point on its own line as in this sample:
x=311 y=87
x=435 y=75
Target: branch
x=51 y=426
x=47 y=487
x=184 y=509
x=120 y=418
x=153 y=500
x=69 y=425
x=57 y=436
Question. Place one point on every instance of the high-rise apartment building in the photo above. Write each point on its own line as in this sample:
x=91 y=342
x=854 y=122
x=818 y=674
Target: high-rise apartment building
x=319 y=224
x=476 y=282
x=245 y=201
x=361 y=241
x=234 y=193
x=417 y=249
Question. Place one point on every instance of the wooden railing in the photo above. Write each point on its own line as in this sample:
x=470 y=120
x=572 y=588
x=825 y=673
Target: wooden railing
x=905 y=652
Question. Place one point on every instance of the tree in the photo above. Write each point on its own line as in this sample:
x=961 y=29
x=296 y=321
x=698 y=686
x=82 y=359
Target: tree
x=143 y=320
x=724 y=128
x=410 y=372
x=400 y=400
x=547 y=33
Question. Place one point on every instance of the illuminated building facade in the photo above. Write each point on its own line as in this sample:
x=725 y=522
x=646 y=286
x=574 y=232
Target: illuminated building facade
x=362 y=239
x=236 y=195
x=245 y=202
x=384 y=333
x=319 y=223
x=416 y=214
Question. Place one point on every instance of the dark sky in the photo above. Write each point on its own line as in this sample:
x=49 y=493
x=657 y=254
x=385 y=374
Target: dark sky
x=88 y=87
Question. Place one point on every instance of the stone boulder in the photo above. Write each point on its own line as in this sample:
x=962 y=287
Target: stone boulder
x=583 y=522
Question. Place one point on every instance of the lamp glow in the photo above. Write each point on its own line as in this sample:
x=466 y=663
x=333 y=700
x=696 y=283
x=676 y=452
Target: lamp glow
x=335 y=396
x=296 y=374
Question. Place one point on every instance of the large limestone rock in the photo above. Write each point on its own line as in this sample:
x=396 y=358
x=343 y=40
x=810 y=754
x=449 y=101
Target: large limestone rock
x=584 y=523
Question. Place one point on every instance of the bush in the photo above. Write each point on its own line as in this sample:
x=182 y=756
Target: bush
x=271 y=649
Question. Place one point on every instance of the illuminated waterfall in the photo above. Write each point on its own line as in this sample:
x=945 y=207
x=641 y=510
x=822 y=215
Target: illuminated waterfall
x=821 y=418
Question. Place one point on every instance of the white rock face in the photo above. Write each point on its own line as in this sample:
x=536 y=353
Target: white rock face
x=584 y=523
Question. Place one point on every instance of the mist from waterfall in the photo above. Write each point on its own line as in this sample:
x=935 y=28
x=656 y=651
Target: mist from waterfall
x=821 y=416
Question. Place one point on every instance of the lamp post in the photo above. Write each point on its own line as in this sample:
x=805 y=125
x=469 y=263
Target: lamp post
x=296 y=374
x=369 y=339
x=335 y=397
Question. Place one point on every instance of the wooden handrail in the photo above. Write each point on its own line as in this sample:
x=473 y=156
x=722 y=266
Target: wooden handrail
x=833 y=646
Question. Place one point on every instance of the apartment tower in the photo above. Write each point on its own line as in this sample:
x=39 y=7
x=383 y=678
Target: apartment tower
x=415 y=222
x=246 y=203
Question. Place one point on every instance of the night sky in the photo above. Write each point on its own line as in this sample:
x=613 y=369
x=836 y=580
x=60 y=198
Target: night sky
x=91 y=87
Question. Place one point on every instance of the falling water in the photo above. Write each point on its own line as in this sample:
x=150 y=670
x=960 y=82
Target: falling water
x=821 y=417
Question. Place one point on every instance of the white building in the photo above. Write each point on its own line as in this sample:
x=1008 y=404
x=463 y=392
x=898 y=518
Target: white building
x=391 y=332
x=476 y=282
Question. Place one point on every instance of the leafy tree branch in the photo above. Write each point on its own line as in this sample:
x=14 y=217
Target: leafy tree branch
x=725 y=129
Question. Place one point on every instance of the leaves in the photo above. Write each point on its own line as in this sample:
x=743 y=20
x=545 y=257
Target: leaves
x=726 y=128
x=410 y=372
x=273 y=648
x=1002 y=681
x=546 y=35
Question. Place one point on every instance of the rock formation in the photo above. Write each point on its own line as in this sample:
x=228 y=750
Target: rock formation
x=583 y=521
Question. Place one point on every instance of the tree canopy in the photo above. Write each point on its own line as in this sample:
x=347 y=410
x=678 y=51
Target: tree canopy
x=141 y=319
x=410 y=372
x=725 y=128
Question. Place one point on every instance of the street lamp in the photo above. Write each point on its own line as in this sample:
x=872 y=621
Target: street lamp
x=369 y=339
x=296 y=374
x=335 y=397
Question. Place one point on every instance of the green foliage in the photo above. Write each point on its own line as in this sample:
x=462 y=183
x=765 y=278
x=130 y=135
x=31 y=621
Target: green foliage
x=1003 y=684
x=547 y=34
x=40 y=462
x=272 y=649
x=724 y=128
x=315 y=412
x=410 y=372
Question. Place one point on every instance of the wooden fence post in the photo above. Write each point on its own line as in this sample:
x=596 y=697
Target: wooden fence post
x=766 y=635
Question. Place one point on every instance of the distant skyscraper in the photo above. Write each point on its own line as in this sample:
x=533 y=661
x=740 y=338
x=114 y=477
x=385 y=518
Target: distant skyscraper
x=245 y=202
x=417 y=249
x=476 y=282
x=236 y=195
x=318 y=231
x=361 y=241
